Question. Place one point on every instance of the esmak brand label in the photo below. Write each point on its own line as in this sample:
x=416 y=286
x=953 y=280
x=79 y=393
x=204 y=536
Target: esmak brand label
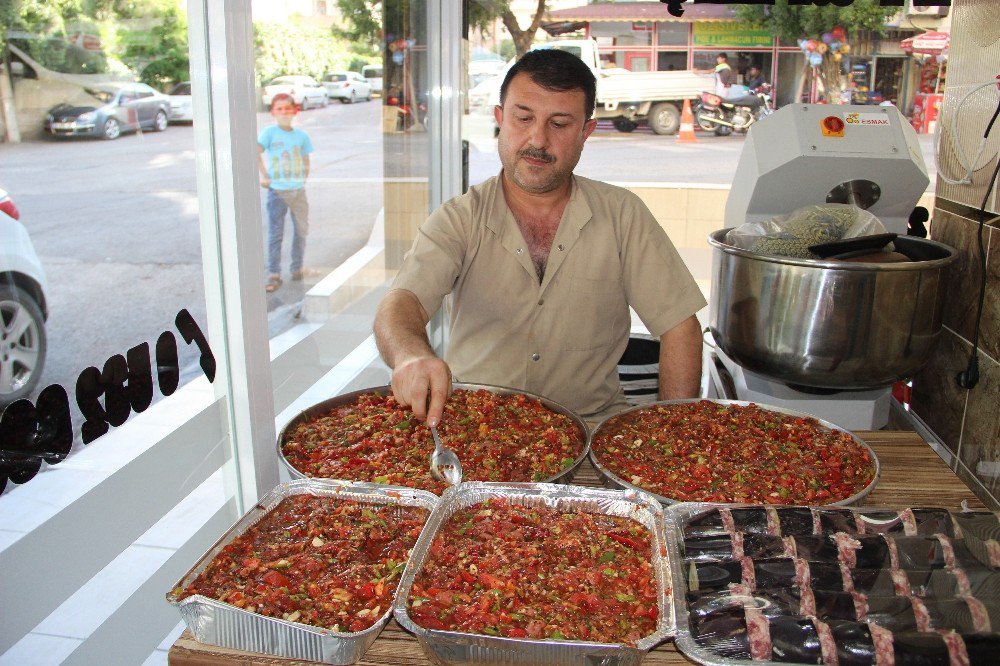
x=869 y=119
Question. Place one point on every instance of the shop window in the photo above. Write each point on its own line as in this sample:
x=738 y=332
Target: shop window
x=621 y=33
x=668 y=61
x=672 y=33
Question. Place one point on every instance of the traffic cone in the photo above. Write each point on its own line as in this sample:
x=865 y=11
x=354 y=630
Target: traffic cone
x=686 y=134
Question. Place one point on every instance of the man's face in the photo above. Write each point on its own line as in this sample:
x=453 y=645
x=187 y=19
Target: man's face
x=542 y=133
x=283 y=111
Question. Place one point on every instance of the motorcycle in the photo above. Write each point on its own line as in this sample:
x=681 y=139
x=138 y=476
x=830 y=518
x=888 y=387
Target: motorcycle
x=723 y=115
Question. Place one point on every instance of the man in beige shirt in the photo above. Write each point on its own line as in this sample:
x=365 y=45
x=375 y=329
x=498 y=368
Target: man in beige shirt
x=543 y=266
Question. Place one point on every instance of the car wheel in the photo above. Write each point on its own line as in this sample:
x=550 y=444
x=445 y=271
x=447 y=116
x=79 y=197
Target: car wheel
x=22 y=344
x=664 y=118
x=160 y=124
x=112 y=130
x=624 y=124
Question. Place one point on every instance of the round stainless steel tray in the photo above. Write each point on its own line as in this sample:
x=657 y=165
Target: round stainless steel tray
x=616 y=480
x=564 y=476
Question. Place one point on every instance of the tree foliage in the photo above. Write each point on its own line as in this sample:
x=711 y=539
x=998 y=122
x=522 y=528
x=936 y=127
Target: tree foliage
x=364 y=19
x=791 y=23
x=288 y=49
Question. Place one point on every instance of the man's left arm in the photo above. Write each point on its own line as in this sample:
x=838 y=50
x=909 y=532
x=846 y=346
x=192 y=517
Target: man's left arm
x=680 y=361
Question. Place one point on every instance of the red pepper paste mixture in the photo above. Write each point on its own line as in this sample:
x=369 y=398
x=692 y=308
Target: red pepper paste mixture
x=707 y=452
x=322 y=561
x=497 y=438
x=503 y=569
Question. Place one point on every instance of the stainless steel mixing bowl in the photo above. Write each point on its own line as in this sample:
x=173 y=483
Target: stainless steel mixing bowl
x=825 y=323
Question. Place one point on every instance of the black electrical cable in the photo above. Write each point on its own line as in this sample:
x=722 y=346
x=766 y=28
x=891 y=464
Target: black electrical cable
x=969 y=377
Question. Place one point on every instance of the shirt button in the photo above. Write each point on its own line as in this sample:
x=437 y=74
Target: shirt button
x=535 y=357
x=520 y=250
x=541 y=301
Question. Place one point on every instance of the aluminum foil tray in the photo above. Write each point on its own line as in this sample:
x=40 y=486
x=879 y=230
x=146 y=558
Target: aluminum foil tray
x=564 y=476
x=451 y=647
x=216 y=623
x=880 y=520
x=612 y=479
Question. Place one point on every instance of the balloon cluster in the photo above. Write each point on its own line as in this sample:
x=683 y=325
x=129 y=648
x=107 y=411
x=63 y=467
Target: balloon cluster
x=833 y=42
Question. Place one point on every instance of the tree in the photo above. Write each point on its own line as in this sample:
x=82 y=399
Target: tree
x=364 y=19
x=804 y=22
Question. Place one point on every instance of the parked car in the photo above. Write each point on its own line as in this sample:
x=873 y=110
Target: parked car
x=115 y=108
x=373 y=75
x=347 y=86
x=180 y=103
x=23 y=309
x=305 y=91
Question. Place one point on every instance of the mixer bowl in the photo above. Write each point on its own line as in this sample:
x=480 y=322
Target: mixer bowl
x=829 y=324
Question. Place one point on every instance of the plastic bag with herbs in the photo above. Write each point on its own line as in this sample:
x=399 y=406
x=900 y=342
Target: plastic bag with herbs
x=792 y=235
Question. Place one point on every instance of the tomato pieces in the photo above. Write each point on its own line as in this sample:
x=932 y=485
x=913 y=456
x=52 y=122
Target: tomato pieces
x=305 y=561
x=539 y=573
x=497 y=437
x=707 y=451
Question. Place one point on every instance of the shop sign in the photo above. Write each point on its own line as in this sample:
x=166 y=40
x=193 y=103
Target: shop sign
x=731 y=35
x=867 y=119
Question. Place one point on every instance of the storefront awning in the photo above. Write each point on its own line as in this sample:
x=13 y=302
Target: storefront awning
x=640 y=11
x=929 y=43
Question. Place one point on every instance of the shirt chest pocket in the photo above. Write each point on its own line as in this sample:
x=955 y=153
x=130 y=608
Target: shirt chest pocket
x=591 y=313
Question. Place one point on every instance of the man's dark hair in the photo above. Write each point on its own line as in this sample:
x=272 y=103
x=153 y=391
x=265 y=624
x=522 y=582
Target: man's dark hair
x=557 y=70
x=723 y=56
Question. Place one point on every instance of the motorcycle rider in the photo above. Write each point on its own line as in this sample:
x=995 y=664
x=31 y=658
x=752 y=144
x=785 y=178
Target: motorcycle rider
x=723 y=75
x=755 y=78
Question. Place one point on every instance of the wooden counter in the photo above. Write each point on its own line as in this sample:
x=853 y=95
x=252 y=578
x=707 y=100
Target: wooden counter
x=913 y=475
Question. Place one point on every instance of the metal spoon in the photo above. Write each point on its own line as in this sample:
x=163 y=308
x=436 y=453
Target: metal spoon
x=445 y=465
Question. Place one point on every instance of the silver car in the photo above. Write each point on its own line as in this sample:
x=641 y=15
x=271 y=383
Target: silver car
x=115 y=108
x=181 y=110
x=305 y=91
x=23 y=309
x=347 y=87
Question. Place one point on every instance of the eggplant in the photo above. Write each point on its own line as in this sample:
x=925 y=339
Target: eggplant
x=982 y=648
x=923 y=648
x=795 y=520
x=750 y=520
x=836 y=520
x=855 y=646
x=830 y=605
x=706 y=523
x=724 y=633
x=984 y=525
x=794 y=640
x=817 y=548
x=708 y=548
x=893 y=613
x=933 y=521
x=760 y=546
x=714 y=575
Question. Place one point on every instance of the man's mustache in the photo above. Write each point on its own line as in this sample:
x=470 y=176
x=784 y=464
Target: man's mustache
x=538 y=154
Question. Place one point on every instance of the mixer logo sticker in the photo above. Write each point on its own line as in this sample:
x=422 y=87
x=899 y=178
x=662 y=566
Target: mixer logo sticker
x=868 y=119
x=833 y=126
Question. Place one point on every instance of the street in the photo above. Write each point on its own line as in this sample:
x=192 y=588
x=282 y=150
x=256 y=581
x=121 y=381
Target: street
x=115 y=223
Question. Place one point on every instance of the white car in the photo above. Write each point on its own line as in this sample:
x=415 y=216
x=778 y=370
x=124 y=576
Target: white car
x=180 y=103
x=305 y=91
x=347 y=86
x=23 y=309
x=373 y=75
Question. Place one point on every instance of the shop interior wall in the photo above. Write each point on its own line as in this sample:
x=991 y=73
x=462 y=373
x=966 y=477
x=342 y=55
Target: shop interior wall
x=968 y=421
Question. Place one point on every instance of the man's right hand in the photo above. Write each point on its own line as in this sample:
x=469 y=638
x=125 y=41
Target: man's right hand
x=423 y=384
